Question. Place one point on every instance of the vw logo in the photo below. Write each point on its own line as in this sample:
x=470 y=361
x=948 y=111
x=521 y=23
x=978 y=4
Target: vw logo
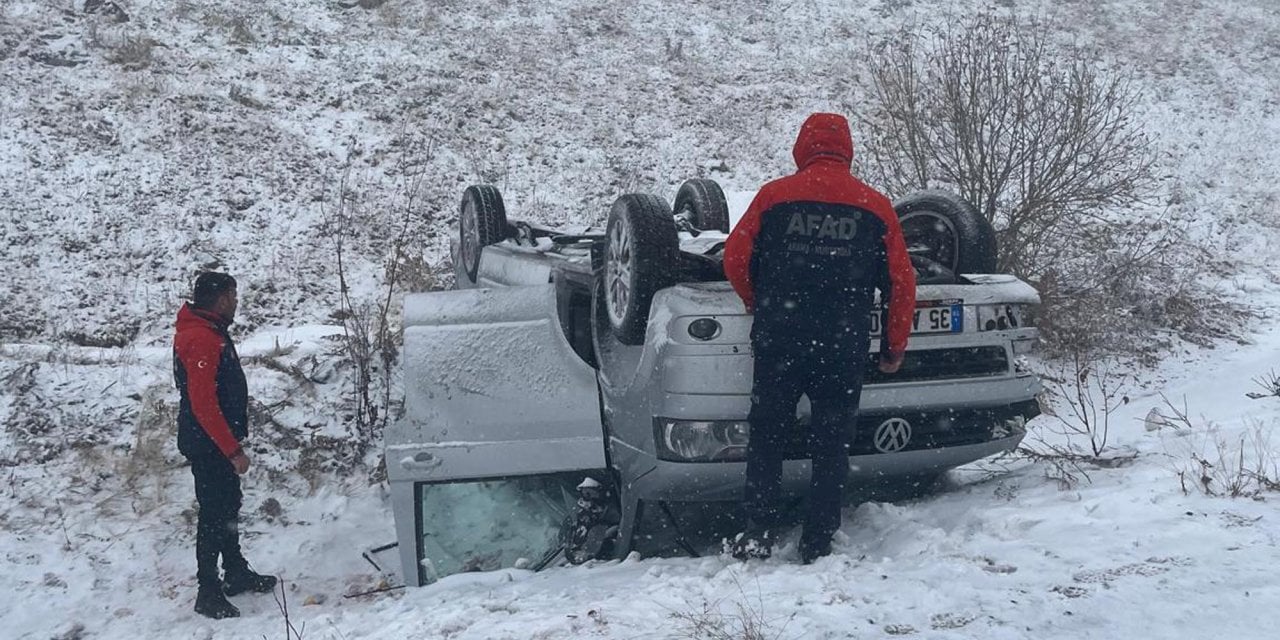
x=892 y=435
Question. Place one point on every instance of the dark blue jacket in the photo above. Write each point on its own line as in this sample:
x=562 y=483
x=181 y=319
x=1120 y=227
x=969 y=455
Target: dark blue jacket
x=813 y=247
x=213 y=415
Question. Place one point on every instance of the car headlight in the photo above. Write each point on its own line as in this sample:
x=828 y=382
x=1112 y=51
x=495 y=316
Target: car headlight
x=702 y=440
x=1002 y=317
x=704 y=329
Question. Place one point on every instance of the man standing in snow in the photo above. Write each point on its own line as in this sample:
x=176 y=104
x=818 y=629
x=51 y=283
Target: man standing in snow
x=212 y=420
x=806 y=258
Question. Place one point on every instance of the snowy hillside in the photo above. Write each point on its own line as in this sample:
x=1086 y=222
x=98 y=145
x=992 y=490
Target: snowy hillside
x=199 y=134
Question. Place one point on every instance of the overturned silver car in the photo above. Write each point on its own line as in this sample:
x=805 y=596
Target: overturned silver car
x=575 y=379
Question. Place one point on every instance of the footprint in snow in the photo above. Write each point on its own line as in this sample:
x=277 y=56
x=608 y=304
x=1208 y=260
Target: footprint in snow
x=1152 y=567
x=1232 y=520
x=1070 y=591
x=950 y=620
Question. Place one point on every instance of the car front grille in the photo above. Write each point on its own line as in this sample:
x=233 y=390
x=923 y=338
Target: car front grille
x=928 y=430
x=941 y=364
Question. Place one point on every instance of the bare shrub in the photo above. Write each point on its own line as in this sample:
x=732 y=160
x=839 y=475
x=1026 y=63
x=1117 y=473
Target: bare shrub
x=1269 y=383
x=238 y=28
x=1046 y=141
x=145 y=469
x=1131 y=287
x=141 y=89
x=363 y=334
x=281 y=596
x=1092 y=394
x=244 y=97
x=30 y=426
x=10 y=36
x=124 y=46
x=745 y=621
x=390 y=15
x=371 y=339
x=674 y=49
x=73 y=631
x=240 y=31
x=109 y=338
x=1242 y=466
x=1091 y=391
x=134 y=53
x=415 y=273
x=185 y=10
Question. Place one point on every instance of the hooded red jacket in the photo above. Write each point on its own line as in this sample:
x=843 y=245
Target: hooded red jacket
x=213 y=411
x=812 y=247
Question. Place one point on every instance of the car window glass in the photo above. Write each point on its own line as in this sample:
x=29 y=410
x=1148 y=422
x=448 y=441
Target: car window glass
x=493 y=524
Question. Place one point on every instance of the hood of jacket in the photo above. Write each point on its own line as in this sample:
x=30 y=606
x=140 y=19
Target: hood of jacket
x=190 y=317
x=824 y=137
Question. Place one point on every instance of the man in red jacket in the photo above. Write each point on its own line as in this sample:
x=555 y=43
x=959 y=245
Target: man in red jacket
x=806 y=258
x=213 y=417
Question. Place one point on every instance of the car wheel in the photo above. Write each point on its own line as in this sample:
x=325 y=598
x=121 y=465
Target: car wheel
x=482 y=221
x=701 y=201
x=948 y=230
x=640 y=253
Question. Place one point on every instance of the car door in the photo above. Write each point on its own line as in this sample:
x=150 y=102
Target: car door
x=502 y=420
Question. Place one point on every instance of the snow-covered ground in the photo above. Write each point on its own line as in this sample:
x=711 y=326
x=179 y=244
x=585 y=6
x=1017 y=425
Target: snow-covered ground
x=215 y=133
x=1011 y=554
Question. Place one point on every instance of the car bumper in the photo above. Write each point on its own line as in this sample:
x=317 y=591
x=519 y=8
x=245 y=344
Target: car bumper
x=714 y=481
x=878 y=398
x=938 y=444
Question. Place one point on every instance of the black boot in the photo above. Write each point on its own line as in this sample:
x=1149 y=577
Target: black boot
x=242 y=580
x=210 y=603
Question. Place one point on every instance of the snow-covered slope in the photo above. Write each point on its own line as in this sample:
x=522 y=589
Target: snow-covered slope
x=206 y=133
x=221 y=132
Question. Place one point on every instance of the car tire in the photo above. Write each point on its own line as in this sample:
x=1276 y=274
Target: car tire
x=948 y=230
x=482 y=221
x=702 y=201
x=640 y=254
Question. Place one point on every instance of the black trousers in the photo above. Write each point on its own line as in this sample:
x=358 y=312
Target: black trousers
x=832 y=379
x=217 y=529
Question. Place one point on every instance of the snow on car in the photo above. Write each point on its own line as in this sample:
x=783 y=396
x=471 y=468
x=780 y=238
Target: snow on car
x=575 y=378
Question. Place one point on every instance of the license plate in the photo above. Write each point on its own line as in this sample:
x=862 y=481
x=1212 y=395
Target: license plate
x=945 y=316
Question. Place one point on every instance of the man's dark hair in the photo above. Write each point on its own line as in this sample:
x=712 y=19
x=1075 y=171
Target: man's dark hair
x=209 y=286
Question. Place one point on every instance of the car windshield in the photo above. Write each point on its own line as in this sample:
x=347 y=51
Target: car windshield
x=492 y=524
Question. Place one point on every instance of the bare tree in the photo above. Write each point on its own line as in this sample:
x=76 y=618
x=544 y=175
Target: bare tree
x=1040 y=138
x=1046 y=142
